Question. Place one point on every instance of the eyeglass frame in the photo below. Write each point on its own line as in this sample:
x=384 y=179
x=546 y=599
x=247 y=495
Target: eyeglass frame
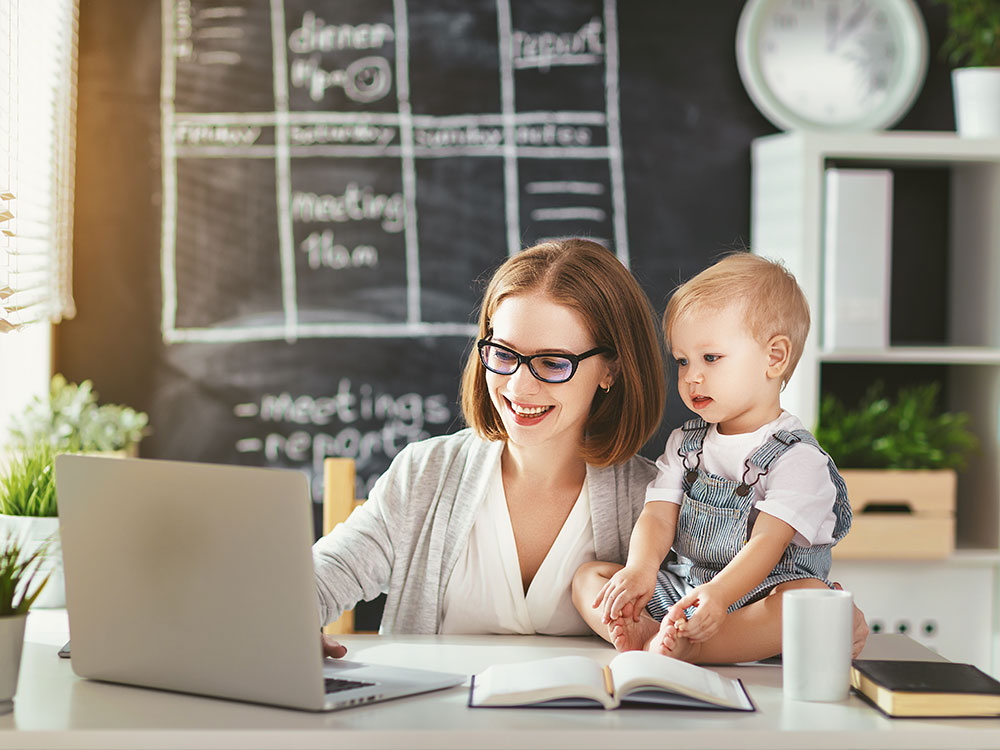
x=574 y=360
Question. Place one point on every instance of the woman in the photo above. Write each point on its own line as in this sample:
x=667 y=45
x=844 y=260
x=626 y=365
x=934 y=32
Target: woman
x=481 y=531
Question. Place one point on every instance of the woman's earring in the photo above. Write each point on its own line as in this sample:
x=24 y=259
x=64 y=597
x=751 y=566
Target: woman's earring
x=606 y=388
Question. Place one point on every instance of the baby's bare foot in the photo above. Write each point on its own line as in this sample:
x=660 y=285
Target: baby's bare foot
x=669 y=642
x=685 y=649
x=632 y=635
x=663 y=639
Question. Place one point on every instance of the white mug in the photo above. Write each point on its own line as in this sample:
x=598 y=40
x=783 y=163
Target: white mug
x=816 y=638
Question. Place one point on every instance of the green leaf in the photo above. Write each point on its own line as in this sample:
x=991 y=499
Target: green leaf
x=28 y=486
x=973 y=31
x=19 y=571
x=907 y=432
x=71 y=419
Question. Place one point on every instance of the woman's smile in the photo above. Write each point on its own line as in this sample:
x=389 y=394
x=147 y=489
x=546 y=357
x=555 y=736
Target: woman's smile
x=526 y=414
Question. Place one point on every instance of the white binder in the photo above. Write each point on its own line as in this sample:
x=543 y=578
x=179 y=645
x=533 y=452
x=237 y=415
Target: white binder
x=857 y=259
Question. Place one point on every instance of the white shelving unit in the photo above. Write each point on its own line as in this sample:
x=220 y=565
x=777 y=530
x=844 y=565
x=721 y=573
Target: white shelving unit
x=787 y=203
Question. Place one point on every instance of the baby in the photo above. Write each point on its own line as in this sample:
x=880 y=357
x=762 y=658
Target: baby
x=744 y=494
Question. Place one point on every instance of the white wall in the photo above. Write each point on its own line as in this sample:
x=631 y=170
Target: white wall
x=25 y=370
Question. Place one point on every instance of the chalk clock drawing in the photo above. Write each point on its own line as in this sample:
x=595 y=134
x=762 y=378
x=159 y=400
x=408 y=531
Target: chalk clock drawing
x=351 y=169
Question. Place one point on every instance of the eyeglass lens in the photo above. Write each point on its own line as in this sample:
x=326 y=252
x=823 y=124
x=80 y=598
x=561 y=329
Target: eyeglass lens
x=549 y=367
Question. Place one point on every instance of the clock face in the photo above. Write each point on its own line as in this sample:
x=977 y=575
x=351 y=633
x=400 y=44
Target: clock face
x=832 y=64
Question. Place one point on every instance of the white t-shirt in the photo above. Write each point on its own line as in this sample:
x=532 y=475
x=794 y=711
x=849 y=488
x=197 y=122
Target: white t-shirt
x=485 y=593
x=798 y=489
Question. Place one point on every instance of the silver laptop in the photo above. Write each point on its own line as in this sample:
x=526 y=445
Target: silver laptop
x=198 y=578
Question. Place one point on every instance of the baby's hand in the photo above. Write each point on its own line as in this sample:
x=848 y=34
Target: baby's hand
x=625 y=594
x=709 y=614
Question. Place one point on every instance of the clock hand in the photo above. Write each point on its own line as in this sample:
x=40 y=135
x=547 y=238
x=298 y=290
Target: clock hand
x=834 y=31
x=832 y=22
x=855 y=18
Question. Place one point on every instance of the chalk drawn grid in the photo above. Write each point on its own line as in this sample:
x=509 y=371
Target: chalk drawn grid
x=249 y=135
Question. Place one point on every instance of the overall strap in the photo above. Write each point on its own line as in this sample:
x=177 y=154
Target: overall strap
x=694 y=435
x=775 y=447
x=762 y=458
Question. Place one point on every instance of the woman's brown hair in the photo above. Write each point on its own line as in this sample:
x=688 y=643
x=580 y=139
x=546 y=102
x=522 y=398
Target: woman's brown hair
x=587 y=278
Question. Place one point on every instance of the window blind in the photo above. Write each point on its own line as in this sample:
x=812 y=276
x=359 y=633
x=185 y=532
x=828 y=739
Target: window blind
x=38 y=59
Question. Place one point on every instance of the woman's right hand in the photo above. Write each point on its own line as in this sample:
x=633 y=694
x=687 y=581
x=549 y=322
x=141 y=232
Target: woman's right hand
x=331 y=647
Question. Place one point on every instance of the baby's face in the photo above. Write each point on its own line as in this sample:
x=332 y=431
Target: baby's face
x=722 y=370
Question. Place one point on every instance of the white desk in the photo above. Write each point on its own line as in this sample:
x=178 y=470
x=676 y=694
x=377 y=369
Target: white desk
x=56 y=709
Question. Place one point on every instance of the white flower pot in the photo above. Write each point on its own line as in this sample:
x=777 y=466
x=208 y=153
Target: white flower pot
x=33 y=531
x=11 y=642
x=977 y=101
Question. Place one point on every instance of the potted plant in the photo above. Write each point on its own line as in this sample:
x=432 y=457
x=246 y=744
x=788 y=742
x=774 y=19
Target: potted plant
x=973 y=43
x=899 y=458
x=29 y=512
x=19 y=588
x=72 y=420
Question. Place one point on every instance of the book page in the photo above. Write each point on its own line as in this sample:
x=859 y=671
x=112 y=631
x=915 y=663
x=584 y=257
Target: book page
x=637 y=669
x=540 y=680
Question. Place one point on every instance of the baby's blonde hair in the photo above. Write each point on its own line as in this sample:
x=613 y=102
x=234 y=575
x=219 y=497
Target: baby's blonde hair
x=771 y=300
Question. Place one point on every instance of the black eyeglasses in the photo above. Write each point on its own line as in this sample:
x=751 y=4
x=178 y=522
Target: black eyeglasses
x=549 y=368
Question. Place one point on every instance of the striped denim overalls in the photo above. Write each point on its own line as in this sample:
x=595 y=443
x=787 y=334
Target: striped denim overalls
x=717 y=516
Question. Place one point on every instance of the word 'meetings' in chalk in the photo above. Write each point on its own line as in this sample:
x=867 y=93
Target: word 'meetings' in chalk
x=369 y=426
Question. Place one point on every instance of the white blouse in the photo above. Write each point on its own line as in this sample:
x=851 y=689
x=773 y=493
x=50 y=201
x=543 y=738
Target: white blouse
x=485 y=593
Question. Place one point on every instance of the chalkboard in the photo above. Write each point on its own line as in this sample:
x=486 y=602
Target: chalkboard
x=286 y=209
x=342 y=170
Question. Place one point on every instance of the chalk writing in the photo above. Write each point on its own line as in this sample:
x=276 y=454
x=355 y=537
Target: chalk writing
x=361 y=132
x=322 y=252
x=363 y=113
x=349 y=405
x=550 y=134
x=369 y=425
x=192 y=134
x=543 y=50
x=470 y=135
x=366 y=80
x=354 y=204
x=183 y=30
x=314 y=35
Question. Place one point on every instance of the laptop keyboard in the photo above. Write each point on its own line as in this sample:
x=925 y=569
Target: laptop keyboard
x=335 y=685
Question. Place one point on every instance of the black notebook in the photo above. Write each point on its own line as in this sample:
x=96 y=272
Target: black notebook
x=926 y=688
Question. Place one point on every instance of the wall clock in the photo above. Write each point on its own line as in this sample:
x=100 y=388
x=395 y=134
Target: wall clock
x=832 y=64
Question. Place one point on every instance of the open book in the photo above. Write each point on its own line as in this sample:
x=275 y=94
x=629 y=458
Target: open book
x=637 y=677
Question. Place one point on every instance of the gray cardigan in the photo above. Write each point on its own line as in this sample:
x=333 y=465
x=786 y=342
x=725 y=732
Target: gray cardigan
x=406 y=539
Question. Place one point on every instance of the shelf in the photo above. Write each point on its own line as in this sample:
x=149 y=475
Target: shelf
x=787 y=222
x=917 y=355
x=948 y=296
x=975 y=557
x=909 y=146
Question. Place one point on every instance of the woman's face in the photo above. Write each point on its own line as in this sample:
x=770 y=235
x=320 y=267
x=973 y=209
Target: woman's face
x=535 y=413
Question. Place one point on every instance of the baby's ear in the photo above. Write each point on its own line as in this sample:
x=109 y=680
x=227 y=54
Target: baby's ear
x=779 y=352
